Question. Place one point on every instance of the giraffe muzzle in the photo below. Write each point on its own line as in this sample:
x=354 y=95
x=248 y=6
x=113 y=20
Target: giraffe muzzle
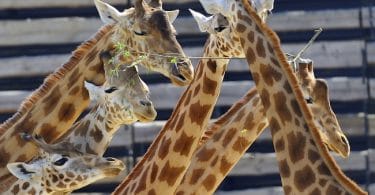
x=182 y=73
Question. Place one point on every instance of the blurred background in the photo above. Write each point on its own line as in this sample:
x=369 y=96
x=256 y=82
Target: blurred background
x=37 y=36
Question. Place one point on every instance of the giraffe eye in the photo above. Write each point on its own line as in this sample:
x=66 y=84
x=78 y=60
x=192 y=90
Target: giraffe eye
x=309 y=100
x=110 y=90
x=61 y=161
x=142 y=33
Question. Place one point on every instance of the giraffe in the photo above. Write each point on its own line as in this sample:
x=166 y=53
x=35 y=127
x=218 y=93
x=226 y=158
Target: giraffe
x=162 y=167
x=305 y=164
x=52 y=172
x=230 y=136
x=56 y=104
x=123 y=99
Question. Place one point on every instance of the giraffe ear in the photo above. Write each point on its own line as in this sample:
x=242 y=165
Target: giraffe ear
x=95 y=92
x=203 y=21
x=172 y=15
x=22 y=170
x=107 y=13
x=216 y=6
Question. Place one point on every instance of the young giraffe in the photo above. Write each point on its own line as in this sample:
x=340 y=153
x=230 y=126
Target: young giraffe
x=51 y=110
x=305 y=164
x=55 y=173
x=229 y=137
x=161 y=169
x=122 y=100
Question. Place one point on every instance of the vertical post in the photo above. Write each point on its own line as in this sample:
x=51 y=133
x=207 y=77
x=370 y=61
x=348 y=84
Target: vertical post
x=366 y=81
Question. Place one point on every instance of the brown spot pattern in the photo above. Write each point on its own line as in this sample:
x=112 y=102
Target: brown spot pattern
x=333 y=190
x=284 y=169
x=197 y=173
x=198 y=113
x=274 y=126
x=279 y=145
x=211 y=64
x=316 y=191
x=295 y=107
x=265 y=99
x=281 y=107
x=224 y=166
x=250 y=56
x=229 y=136
x=97 y=134
x=304 y=178
x=66 y=112
x=260 y=48
x=154 y=172
x=296 y=146
x=164 y=148
x=209 y=86
x=52 y=100
x=209 y=182
x=170 y=174
x=323 y=169
x=240 y=28
x=313 y=156
x=183 y=144
x=240 y=144
x=142 y=182
x=269 y=74
x=205 y=154
x=151 y=192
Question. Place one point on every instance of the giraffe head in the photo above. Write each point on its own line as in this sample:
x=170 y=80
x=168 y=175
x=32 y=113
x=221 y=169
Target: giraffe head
x=137 y=29
x=124 y=93
x=222 y=42
x=221 y=33
x=54 y=172
x=262 y=7
x=317 y=96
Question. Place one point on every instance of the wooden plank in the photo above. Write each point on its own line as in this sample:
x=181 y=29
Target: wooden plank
x=265 y=163
x=73 y=29
x=333 y=54
x=19 y=4
x=352 y=125
x=165 y=96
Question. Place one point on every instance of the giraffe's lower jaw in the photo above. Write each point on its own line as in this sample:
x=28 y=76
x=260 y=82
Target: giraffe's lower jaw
x=143 y=118
x=113 y=171
x=180 y=76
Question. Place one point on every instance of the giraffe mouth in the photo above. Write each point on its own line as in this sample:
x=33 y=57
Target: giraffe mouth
x=181 y=74
x=145 y=118
x=113 y=171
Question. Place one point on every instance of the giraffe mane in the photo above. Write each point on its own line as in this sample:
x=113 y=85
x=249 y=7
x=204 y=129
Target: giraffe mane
x=328 y=159
x=54 y=78
x=224 y=118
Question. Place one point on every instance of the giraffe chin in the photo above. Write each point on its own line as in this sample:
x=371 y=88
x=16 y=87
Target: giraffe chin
x=113 y=171
x=144 y=118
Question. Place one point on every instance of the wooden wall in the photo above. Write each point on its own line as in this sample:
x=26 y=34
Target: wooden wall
x=37 y=36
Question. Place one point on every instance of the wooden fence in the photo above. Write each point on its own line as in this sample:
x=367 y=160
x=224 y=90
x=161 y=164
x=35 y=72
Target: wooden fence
x=37 y=36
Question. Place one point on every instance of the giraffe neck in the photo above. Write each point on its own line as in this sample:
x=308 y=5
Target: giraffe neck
x=93 y=133
x=60 y=100
x=304 y=162
x=163 y=166
x=224 y=143
x=26 y=187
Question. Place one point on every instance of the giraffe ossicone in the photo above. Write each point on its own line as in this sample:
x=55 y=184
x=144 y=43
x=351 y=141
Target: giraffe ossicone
x=53 y=172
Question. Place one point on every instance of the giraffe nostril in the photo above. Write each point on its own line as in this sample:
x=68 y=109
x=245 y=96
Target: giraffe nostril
x=110 y=159
x=145 y=103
